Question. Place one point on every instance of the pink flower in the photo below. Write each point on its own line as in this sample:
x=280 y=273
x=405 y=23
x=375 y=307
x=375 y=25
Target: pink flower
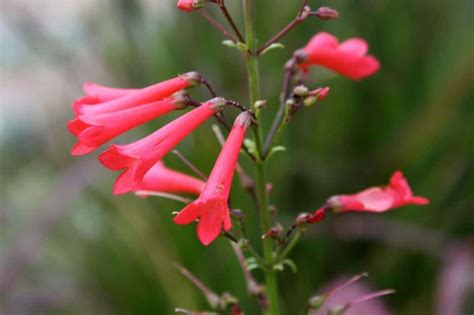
x=93 y=130
x=211 y=207
x=104 y=93
x=378 y=199
x=346 y=293
x=138 y=157
x=162 y=179
x=348 y=58
x=190 y=5
x=102 y=99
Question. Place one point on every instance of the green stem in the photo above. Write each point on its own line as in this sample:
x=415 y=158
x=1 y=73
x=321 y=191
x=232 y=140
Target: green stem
x=261 y=191
x=287 y=249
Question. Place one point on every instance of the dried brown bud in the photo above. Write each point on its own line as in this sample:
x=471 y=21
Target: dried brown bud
x=327 y=13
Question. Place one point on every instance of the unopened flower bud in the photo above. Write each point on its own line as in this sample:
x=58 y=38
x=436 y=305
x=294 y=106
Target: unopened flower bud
x=302 y=218
x=300 y=56
x=306 y=11
x=316 y=95
x=327 y=13
x=260 y=104
x=236 y=310
x=301 y=91
x=190 y=5
x=269 y=187
x=321 y=93
x=317 y=216
x=310 y=218
x=237 y=213
x=274 y=232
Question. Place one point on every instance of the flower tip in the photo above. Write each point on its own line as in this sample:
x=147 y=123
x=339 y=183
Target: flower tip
x=192 y=77
x=180 y=99
x=244 y=119
x=420 y=201
x=80 y=149
x=123 y=184
x=370 y=66
x=206 y=240
x=86 y=86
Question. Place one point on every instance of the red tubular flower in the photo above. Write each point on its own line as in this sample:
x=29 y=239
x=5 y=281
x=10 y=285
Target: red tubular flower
x=162 y=179
x=138 y=157
x=378 y=199
x=104 y=93
x=348 y=58
x=190 y=5
x=211 y=206
x=93 y=130
x=97 y=104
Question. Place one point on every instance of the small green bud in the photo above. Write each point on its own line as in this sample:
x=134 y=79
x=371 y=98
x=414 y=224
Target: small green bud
x=301 y=91
x=260 y=104
x=315 y=302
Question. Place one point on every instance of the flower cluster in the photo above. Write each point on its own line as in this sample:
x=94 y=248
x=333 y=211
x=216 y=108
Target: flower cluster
x=105 y=113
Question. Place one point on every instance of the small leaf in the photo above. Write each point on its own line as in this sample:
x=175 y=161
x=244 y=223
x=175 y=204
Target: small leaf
x=252 y=264
x=290 y=264
x=275 y=149
x=272 y=46
x=278 y=267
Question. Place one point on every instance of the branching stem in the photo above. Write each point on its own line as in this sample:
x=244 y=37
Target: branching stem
x=221 y=4
x=221 y=28
x=290 y=69
x=302 y=15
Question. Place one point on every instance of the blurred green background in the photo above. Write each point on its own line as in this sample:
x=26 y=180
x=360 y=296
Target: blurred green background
x=67 y=246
